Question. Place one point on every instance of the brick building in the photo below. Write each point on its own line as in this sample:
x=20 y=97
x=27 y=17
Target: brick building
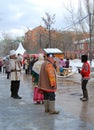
x=83 y=47
x=38 y=38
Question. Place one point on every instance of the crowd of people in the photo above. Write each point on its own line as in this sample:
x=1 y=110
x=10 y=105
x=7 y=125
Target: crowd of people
x=43 y=71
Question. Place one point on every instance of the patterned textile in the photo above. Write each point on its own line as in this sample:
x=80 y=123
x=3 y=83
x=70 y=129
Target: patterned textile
x=45 y=83
x=51 y=74
x=37 y=96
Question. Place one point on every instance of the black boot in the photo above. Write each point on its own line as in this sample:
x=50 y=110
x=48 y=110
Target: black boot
x=17 y=97
x=85 y=96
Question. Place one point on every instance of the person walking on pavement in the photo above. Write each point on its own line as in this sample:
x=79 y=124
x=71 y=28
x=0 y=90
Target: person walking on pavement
x=15 y=68
x=67 y=63
x=48 y=85
x=85 y=73
x=4 y=65
x=26 y=62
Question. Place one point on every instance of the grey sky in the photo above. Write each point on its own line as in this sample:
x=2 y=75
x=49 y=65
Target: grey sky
x=18 y=15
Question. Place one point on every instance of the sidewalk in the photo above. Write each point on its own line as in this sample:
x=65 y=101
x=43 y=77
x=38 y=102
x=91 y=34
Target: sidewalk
x=23 y=114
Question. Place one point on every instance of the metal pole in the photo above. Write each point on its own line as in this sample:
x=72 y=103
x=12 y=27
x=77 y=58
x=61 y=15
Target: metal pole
x=90 y=49
x=40 y=40
x=49 y=37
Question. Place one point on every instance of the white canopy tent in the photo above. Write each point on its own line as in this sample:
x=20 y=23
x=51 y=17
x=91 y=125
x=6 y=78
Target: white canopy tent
x=20 y=49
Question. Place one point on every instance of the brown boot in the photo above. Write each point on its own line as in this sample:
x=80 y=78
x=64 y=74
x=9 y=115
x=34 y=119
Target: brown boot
x=52 y=108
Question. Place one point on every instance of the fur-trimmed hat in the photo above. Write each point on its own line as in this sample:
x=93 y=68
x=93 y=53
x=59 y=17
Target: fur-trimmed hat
x=12 y=52
x=41 y=57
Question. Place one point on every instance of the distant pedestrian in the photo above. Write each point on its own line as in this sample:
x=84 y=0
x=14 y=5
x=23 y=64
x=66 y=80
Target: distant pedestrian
x=27 y=63
x=8 y=68
x=34 y=59
x=67 y=63
x=15 y=68
x=85 y=73
x=20 y=58
x=4 y=65
x=61 y=66
x=48 y=85
x=61 y=62
x=0 y=64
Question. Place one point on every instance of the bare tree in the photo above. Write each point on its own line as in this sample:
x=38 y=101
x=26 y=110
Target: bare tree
x=49 y=20
x=83 y=19
x=72 y=28
x=9 y=43
x=89 y=10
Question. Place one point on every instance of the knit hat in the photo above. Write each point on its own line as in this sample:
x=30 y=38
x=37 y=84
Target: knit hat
x=84 y=58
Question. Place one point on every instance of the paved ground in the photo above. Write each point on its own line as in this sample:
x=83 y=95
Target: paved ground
x=23 y=114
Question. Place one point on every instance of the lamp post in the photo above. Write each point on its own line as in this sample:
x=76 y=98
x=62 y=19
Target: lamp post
x=90 y=31
x=40 y=40
x=49 y=30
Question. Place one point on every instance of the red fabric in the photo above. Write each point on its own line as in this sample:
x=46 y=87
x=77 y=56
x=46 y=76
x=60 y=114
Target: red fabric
x=38 y=97
x=85 y=72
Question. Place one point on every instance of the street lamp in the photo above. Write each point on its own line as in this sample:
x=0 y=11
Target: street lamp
x=49 y=35
x=90 y=50
x=90 y=30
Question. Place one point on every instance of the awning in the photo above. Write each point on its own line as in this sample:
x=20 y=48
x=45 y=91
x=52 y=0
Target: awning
x=52 y=51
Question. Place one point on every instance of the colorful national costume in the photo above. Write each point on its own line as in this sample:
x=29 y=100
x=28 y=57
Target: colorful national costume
x=48 y=85
x=38 y=97
x=15 y=69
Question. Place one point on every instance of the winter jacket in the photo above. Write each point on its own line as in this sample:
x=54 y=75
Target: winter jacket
x=85 y=72
x=15 y=68
x=47 y=78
